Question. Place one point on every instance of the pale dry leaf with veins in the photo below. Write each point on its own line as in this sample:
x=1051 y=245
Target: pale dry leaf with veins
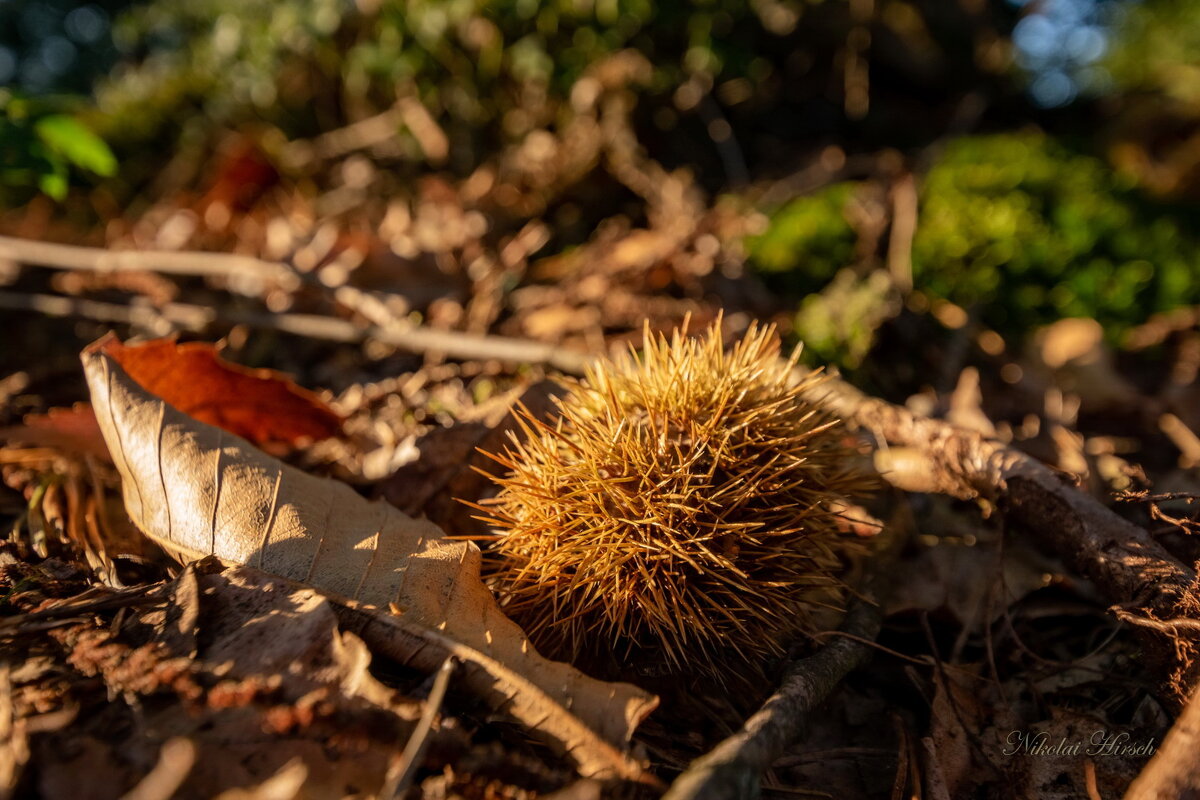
x=198 y=490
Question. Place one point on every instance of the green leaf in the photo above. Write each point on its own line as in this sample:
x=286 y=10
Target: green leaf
x=53 y=184
x=68 y=136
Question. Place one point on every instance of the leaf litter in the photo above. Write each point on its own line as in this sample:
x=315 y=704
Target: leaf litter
x=442 y=248
x=267 y=652
x=198 y=491
x=970 y=606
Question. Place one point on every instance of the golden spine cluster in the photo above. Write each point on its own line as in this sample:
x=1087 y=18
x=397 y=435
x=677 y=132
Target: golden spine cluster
x=683 y=505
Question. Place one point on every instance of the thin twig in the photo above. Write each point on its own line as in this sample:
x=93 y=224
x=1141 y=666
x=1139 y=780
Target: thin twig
x=169 y=318
x=342 y=141
x=75 y=607
x=734 y=769
x=401 y=774
x=1131 y=496
x=904 y=227
x=1161 y=326
x=175 y=761
x=1183 y=437
x=816 y=175
x=14 y=738
x=411 y=338
x=1089 y=779
x=1189 y=524
x=173 y=262
x=1170 y=626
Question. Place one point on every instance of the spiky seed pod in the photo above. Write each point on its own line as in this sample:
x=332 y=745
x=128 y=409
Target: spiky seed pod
x=684 y=503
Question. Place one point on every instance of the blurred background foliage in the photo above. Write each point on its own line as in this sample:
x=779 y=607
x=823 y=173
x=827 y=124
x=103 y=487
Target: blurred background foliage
x=1020 y=162
x=1019 y=229
x=41 y=143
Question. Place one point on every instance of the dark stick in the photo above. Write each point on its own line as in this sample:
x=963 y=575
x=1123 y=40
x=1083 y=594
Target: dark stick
x=733 y=770
x=1127 y=564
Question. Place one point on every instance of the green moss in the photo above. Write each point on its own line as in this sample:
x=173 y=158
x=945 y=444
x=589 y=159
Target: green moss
x=809 y=239
x=1018 y=228
x=838 y=325
x=1024 y=230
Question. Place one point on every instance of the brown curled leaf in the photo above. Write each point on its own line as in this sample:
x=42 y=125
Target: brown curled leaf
x=198 y=490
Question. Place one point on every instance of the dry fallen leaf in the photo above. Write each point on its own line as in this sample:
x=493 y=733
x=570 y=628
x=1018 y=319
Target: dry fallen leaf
x=973 y=584
x=199 y=491
x=956 y=765
x=72 y=430
x=226 y=680
x=259 y=626
x=453 y=465
x=260 y=405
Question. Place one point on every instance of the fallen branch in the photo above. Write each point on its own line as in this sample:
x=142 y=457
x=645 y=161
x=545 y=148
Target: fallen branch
x=401 y=773
x=172 y=262
x=1174 y=771
x=1124 y=561
x=411 y=338
x=734 y=769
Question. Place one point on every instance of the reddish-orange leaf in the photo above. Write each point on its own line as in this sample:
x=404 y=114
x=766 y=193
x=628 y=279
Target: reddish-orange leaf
x=73 y=431
x=260 y=405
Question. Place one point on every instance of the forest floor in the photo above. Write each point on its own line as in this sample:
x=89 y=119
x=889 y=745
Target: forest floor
x=1008 y=662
